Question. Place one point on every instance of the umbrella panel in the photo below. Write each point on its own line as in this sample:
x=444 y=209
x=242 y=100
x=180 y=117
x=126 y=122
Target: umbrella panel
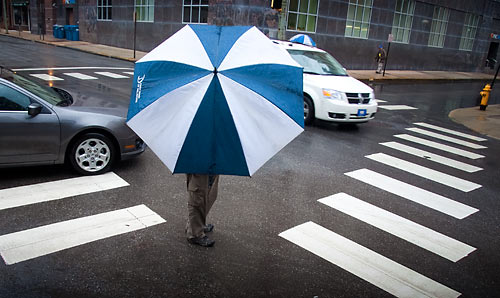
x=212 y=145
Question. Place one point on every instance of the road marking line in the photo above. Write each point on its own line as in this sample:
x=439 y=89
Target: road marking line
x=80 y=76
x=46 y=77
x=446 y=138
x=111 y=75
x=439 y=146
x=424 y=172
x=55 y=190
x=129 y=73
x=380 y=100
x=376 y=269
x=396 y=225
x=453 y=132
x=413 y=193
x=71 y=68
x=40 y=241
x=433 y=157
x=397 y=107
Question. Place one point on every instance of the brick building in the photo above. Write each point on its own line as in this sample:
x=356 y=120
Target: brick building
x=426 y=34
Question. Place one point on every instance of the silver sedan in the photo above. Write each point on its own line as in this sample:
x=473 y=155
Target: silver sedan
x=42 y=125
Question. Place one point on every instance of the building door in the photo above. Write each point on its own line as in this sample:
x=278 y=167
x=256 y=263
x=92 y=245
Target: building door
x=491 y=59
x=70 y=19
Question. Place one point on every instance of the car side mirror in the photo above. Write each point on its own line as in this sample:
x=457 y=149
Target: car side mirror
x=34 y=109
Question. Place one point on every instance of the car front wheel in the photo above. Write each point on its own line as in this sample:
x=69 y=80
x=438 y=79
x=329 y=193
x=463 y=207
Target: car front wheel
x=308 y=111
x=92 y=154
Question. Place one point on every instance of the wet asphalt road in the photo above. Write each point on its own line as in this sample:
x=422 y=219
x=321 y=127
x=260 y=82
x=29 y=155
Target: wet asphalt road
x=249 y=258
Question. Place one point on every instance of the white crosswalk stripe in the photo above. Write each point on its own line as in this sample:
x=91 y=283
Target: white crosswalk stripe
x=413 y=193
x=433 y=157
x=129 y=73
x=424 y=172
x=453 y=132
x=32 y=243
x=378 y=270
x=396 y=107
x=439 y=146
x=55 y=190
x=111 y=75
x=80 y=76
x=446 y=138
x=412 y=232
x=46 y=77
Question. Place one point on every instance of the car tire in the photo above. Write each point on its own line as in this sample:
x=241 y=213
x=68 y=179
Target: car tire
x=308 y=111
x=92 y=154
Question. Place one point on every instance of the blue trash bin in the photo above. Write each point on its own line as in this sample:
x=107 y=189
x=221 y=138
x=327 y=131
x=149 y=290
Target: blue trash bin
x=76 y=34
x=59 y=31
x=54 y=29
x=67 y=32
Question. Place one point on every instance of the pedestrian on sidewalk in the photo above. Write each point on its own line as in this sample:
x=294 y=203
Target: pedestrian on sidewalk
x=380 y=58
x=202 y=191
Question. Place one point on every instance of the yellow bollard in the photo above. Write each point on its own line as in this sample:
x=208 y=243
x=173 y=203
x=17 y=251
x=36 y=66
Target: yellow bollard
x=485 y=95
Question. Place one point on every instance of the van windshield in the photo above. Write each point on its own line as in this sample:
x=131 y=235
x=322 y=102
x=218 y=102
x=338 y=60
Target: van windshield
x=320 y=63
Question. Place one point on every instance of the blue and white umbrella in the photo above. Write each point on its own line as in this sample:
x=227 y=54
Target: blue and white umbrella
x=303 y=39
x=216 y=100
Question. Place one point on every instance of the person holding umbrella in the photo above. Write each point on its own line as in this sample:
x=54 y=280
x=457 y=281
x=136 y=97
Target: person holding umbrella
x=213 y=101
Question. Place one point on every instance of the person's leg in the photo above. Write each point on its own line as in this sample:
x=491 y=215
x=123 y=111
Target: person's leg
x=197 y=191
x=212 y=194
x=380 y=67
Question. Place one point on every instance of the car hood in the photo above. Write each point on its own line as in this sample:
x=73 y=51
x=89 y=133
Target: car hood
x=98 y=104
x=339 y=83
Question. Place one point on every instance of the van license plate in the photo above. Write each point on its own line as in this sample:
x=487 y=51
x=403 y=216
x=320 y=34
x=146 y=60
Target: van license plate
x=362 y=112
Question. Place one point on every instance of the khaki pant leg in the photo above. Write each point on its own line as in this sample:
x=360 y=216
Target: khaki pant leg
x=197 y=186
x=212 y=195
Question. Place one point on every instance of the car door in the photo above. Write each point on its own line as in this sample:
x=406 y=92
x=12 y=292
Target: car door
x=25 y=138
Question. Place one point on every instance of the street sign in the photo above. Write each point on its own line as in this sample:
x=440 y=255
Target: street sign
x=390 y=38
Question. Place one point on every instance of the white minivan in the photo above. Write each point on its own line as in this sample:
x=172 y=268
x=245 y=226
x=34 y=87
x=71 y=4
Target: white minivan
x=329 y=92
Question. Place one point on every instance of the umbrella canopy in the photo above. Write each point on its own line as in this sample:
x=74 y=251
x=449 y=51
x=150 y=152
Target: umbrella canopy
x=216 y=100
x=303 y=39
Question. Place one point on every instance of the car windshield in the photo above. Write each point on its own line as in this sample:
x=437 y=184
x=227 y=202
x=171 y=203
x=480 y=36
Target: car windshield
x=320 y=63
x=45 y=92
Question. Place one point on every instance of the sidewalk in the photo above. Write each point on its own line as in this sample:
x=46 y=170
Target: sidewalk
x=484 y=122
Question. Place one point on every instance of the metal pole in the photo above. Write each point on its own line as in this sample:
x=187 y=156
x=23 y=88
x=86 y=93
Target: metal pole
x=5 y=17
x=386 y=57
x=495 y=77
x=135 y=29
x=282 y=20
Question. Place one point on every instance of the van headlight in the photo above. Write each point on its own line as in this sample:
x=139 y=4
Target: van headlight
x=333 y=94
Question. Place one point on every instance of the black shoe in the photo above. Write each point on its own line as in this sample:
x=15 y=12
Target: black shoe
x=208 y=228
x=201 y=241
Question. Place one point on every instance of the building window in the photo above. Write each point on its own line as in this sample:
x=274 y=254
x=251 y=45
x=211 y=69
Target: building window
x=359 y=15
x=403 y=18
x=104 y=10
x=302 y=15
x=469 y=32
x=438 y=27
x=145 y=10
x=195 y=11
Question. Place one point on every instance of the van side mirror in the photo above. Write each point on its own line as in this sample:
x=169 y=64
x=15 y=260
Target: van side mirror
x=34 y=109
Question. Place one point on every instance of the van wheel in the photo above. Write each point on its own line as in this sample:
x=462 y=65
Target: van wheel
x=92 y=154
x=308 y=111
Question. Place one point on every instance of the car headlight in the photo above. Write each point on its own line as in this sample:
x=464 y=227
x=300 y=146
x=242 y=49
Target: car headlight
x=333 y=94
